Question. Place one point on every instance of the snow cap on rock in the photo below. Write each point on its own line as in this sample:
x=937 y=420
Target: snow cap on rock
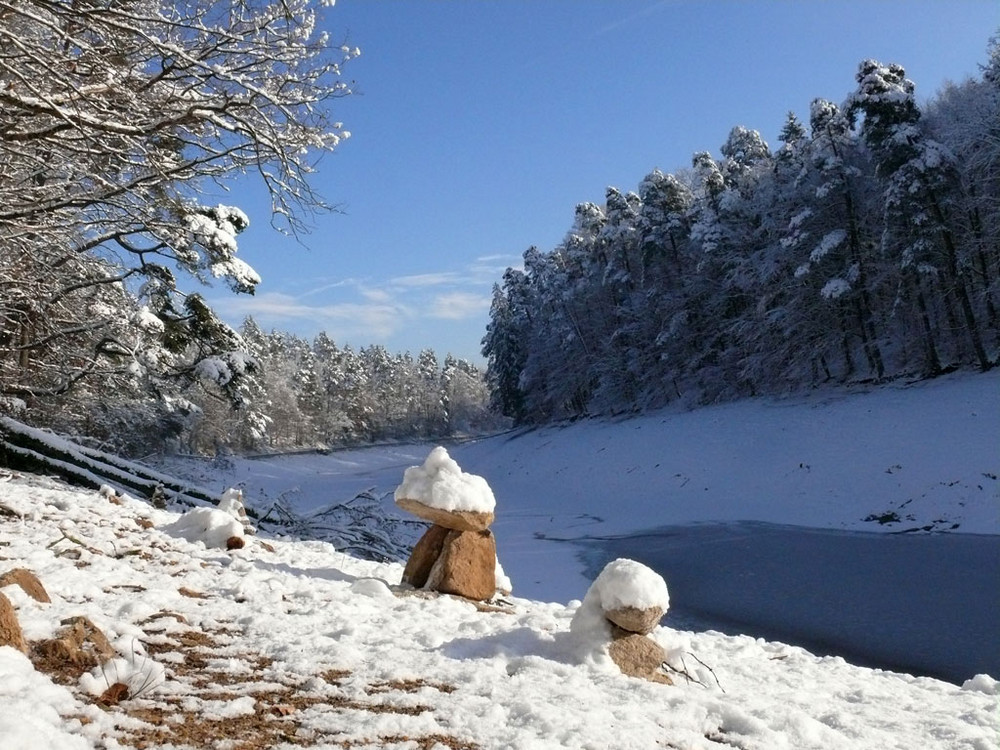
x=440 y=483
x=627 y=583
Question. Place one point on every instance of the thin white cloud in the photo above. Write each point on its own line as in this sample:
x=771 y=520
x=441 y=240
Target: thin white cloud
x=343 y=320
x=426 y=279
x=614 y=25
x=458 y=306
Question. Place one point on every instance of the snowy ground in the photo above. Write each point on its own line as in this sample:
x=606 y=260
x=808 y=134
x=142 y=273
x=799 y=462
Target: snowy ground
x=295 y=643
x=292 y=644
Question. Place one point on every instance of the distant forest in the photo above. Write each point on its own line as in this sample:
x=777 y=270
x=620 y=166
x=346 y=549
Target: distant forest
x=865 y=247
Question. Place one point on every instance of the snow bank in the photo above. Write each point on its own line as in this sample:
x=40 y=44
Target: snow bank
x=32 y=704
x=441 y=484
x=376 y=664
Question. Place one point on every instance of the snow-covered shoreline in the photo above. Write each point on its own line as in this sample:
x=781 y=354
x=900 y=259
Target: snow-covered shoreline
x=333 y=651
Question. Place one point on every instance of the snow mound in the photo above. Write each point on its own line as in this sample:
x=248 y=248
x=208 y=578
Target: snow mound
x=982 y=683
x=210 y=526
x=139 y=673
x=441 y=484
x=231 y=502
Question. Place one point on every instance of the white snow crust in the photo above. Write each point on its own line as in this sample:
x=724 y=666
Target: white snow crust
x=440 y=483
x=510 y=679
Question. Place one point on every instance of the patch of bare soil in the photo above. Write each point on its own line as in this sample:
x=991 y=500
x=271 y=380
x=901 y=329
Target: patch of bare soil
x=280 y=701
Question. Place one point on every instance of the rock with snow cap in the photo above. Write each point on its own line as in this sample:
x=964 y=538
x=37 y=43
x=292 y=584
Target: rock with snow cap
x=629 y=592
x=632 y=596
x=440 y=492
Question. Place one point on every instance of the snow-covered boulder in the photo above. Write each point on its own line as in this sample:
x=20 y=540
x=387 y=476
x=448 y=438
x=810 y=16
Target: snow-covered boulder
x=440 y=492
x=210 y=526
x=631 y=595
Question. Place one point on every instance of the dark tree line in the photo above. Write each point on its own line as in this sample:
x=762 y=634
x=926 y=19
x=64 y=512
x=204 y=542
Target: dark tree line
x=865 y=247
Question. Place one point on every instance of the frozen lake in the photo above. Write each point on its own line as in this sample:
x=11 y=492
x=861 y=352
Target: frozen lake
x=925 y=604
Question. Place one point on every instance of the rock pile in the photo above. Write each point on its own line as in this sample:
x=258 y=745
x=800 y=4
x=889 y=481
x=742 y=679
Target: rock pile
x=457 y=554
x=622 y=607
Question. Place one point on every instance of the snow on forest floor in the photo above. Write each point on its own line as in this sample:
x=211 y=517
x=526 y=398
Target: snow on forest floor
x=288 y=643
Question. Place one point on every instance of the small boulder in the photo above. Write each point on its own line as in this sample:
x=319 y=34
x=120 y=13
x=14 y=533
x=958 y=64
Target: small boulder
x=235 y=542
x=425 y=553
x=459 y=520
x=27 y=581
x=635 y=620
x=10 y=628
x=638 y=656
x=466 y=566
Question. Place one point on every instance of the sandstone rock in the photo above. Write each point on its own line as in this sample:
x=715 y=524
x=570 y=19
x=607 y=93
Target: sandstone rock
x=10 y=628
x=27 y=581
x=459 y=520
x=637 y=656
x=80 y=643
x=235 y=542
x=635 y=620
x=466 y=565
x=425 y=553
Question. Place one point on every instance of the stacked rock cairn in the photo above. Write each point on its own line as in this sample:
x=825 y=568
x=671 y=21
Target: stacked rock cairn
x=457 y=554
x=624 y=605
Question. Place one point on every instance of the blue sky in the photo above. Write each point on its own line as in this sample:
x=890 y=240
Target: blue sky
x=480 y=124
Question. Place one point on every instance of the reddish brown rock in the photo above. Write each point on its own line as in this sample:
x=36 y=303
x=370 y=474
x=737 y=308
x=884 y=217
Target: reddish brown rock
x=27 y=581
x=425 y=553
x=235 y=542
x=638 y=656
x=10 y=628
x=459 y=520
x=466 y=566
x=635 y=620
